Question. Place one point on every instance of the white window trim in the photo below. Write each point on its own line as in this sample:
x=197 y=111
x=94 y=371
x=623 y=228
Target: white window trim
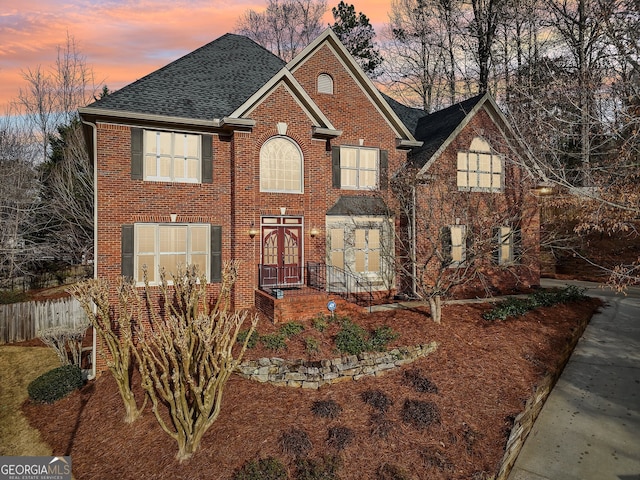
x=289 y=139
x=357 y=168
x=148 y=155
x=157 y=253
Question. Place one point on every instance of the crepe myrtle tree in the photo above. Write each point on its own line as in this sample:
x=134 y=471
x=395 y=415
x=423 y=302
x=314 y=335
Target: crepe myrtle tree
x=186 y=353
x=114 y=325
x=456 y=241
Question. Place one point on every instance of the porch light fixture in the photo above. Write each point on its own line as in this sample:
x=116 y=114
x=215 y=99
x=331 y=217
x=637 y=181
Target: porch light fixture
x=253 y=231
x=543 y=189
x=314 y=232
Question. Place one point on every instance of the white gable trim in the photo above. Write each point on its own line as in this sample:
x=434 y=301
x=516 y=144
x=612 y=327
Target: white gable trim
x=331 y=40
x=286 y=79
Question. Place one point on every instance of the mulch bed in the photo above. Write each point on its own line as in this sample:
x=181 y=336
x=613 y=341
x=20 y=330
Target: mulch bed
x=479 y=379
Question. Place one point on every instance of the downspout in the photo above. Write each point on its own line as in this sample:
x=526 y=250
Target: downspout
x=94 y=130
x=414 y=239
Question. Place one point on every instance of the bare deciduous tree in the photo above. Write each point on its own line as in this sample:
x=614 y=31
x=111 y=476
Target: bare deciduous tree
x=186 y=355
x=285 y=27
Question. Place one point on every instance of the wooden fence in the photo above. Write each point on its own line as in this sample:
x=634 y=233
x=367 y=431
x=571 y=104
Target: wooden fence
x=24 y=321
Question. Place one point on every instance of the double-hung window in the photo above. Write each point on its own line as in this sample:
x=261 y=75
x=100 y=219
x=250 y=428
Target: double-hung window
x=479 y=169
x=172 y=157
x=454 y=244
x=505 y=237
x=167 y=246
x=359 y=168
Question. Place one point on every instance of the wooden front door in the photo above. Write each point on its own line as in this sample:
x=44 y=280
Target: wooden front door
x=281 y=251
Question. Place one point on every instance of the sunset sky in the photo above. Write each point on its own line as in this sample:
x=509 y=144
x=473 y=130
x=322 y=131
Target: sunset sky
x=122 y=40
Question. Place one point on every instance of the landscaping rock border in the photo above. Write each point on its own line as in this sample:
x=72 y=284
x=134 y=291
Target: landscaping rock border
x=315 y=374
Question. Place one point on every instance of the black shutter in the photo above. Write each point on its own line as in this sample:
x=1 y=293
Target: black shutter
x=216 y=254
x=207 y=159
x=335 y=166
x=127 y=251
x=469 y=253
x=136 y=153
x=384 y=169
x=445 y=240
x=517 y=245
x=497 y=244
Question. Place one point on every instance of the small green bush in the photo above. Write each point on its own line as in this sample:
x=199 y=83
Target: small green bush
x=291 y=329
x=311 y=345
x=320 y=323
x=351 y=339
x=514 y=307
x=253 y=341
x=55 y=384
x=274 y=341
x=269 y=468
x=380 y=337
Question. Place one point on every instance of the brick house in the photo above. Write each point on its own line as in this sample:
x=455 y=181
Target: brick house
x=231 y=153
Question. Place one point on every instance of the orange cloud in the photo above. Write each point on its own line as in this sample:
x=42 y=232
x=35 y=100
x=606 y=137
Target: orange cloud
x=122 y=40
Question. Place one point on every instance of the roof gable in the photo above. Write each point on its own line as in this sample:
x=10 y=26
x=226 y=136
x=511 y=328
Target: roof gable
x=210 y=82
x=328 y=38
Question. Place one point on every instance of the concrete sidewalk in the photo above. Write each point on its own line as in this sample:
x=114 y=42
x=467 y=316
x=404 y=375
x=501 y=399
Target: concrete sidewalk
x=589 y=428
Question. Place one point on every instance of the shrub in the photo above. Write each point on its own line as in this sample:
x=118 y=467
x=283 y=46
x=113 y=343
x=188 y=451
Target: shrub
x=513 y=307
x=274 y=341
x=325 y=468
x=420 y=414
x=291 y=329
x=296 y=442
x=380 y=337
x=263 y=469
x=381 y=425
x=352 y=339
x=386 y=471
x=320 y=323
x=377 y=399
x=253 y=340
x=421 y=384
x=326 y=408
x=340 y=437
x=55 y=384
x=311 y=345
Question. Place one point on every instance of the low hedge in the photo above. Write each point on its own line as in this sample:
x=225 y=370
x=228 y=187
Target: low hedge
x=55 y=384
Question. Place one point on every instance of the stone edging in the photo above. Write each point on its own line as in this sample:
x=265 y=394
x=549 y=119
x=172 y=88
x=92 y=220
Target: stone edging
x=314 y=374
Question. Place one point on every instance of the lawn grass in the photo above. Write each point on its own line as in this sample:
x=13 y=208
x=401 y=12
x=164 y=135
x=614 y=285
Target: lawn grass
x=20 y=365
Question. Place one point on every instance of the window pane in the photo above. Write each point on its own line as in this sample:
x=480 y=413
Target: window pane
x=374 y=261
x=360 y=261
x=199 y=239
x=367 y=179
x=462 y=161
x=484 y=180
x=369 y=159
x=173 y=239
x=150 y=166
x=178 y=167
x=374 y=239
x=192 y=146
x=337 y=259
x=485 y=163
x=165 y=167
x=496 y=180
x=360 y=238
x=146 y=236
x=200 y=261
x=479 y=145
x=337 y=239
x=456 y=235
x=496 y=163
x=170 y=262
x=456 y=253
x=150 y=141
x=164 y=139
x=147 y=260
x=348 y=157
x=462 y=179
x=348 y=178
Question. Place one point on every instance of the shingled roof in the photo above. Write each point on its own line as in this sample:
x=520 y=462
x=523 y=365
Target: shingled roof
x=434 y=129
x=210 y=82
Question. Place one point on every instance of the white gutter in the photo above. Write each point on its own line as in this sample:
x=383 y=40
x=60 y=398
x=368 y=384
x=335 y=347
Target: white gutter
x=94 y=129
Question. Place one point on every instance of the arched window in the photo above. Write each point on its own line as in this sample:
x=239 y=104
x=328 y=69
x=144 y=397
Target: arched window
x=325 y=83
x=480 y=169
x=281 y=166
